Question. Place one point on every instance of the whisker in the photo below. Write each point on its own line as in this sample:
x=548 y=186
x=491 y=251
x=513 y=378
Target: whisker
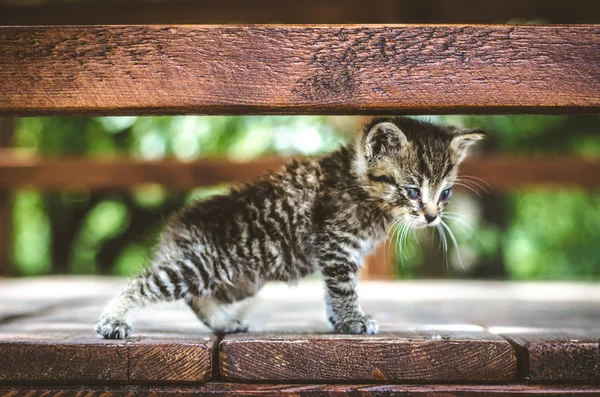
x=476 y=178
x=468 y=187
x=454 y=242
x=442 y=234
x=457 y=219
x=473 y=184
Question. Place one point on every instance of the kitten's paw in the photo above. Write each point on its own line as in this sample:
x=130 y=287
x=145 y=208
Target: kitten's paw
x=112 y=329
x=231 y=326
x=360 y=325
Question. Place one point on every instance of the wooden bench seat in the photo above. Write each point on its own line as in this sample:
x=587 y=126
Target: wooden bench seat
x=449 y=333
x=454 y=338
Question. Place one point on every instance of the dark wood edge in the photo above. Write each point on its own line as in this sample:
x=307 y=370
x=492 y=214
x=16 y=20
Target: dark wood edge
x=307 y=11
x=245 y=389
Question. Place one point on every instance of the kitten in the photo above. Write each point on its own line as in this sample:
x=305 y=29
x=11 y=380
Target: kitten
x=319 y=214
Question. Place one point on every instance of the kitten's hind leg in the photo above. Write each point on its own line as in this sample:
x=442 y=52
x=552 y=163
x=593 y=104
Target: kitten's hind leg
x=216 y=315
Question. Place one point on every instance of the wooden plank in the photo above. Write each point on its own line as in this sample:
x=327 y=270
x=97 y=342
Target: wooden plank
x=510 y=172
x=419 y=356
x=308 y=11
x=499 y=173
x=299 y=69
x=125 y=173
x=54 y=360
x=290 y=341
x=558 y=356
x=57 y=344
x=300 y=390
x=37 y=352
x=172 y=360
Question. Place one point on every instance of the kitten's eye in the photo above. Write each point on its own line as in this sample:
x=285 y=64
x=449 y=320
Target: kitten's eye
x=412 y=192
x=446 y=194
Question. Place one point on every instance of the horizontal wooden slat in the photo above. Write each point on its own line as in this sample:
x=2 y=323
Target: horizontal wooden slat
x=57 y=344
x=411 y=356
x=299 y=69
x=495 y=172
x=295 y=12
x=555 y=356
x=222 y=389
x=425 y=323
x=291 y=342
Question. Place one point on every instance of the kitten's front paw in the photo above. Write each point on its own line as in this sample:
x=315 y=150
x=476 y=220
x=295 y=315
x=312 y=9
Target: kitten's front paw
x=360 y=325
x=112 y=329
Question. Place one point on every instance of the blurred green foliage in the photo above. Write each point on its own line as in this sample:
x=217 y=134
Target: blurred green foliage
x=529 y=234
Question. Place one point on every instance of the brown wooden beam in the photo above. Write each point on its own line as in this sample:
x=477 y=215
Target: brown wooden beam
x=497 y=172
x=6 y=133
x=296 y=12
x=369 y=69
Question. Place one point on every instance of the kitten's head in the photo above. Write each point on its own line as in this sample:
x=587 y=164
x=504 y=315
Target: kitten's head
x=408 y=167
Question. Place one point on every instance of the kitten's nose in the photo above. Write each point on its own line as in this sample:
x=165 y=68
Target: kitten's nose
x=430 y=212
x=430 y=217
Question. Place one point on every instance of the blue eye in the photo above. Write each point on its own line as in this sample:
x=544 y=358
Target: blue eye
x=412 y=192
x=446 y=194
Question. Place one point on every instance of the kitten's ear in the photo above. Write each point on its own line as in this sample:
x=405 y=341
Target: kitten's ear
x=384 y=139
x=463 y=139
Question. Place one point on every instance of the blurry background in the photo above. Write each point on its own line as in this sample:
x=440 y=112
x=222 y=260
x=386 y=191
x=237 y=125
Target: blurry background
x=529 y=232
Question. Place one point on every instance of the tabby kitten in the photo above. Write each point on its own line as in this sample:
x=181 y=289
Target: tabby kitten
x=318 y=214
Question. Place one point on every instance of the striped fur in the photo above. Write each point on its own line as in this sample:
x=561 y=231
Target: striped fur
x=317 y=214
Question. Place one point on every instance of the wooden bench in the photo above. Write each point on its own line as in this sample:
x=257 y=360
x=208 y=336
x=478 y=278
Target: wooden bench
x=458 y=338
x=455 y=345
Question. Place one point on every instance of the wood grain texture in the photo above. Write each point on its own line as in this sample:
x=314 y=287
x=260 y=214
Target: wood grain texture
x=171 y=360
x=499 y=173
x=300 y=390
x=298 y=69
x=399 y=356
x=56 y=343
x=555 y=356
x=55 y=360
x=307 y=11
x=68 y=356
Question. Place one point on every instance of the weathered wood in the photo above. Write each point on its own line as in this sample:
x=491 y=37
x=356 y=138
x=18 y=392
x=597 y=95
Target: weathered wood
x=496 y=172
x=421 y=356
x=56 y=343
x=27 y=358
x=299 y=69
x=555 y=356
x=67 y=356
x=171 y=360
x=300 y=390
x=435 y=324
x=307 y=11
